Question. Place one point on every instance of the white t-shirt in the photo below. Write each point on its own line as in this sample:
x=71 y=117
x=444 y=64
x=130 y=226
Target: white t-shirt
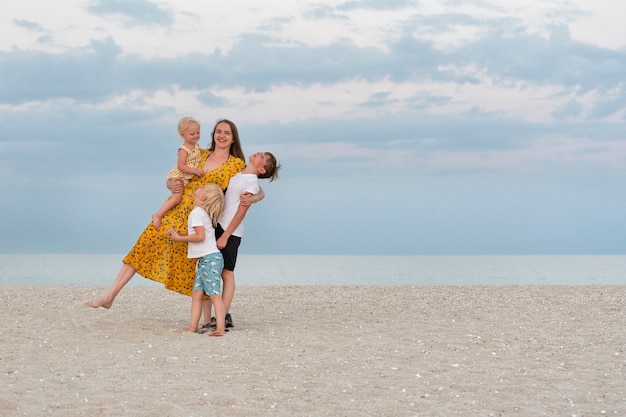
x=199 y=217
x=239 y=184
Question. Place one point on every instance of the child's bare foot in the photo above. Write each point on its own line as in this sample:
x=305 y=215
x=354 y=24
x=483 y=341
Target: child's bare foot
x=217 y=333
x=104 y=302
x=156 y=221
x=190 y=331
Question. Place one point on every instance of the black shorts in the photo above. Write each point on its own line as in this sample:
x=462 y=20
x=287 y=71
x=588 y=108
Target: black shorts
x=229 y=253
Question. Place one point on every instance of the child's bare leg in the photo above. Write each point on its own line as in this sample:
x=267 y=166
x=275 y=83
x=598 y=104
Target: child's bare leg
x=228 y=289
x=167 y=205
x=206 y=311
x=125 y=274
x=196 y=311
x=220 y=312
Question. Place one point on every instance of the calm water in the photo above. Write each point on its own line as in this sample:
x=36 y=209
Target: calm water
x=88 y=270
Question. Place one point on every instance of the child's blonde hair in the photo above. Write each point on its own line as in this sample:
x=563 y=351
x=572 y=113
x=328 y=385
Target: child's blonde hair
x=186 y=121
x=214 y=202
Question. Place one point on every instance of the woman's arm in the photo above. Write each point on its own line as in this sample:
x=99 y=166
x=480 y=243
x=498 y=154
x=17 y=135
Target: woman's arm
x=175 y=185
x=248 y=198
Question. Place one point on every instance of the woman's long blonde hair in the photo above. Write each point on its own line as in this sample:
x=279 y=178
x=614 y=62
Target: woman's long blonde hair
x=214 y=202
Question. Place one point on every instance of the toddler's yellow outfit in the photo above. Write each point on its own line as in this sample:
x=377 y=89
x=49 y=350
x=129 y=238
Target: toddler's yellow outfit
x=193 y=159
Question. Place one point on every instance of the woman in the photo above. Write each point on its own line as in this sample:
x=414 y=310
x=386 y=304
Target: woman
x=155 y=256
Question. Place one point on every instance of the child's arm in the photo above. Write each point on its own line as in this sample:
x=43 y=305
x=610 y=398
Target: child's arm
x=177 y=237
x=182 y=164
x=236 y=221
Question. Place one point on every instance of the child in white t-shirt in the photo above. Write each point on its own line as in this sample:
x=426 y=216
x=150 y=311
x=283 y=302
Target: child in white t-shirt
x=230 y=228
x=208 y=205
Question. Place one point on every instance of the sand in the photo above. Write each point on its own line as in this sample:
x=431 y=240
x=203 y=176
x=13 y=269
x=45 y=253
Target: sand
x=318 y=351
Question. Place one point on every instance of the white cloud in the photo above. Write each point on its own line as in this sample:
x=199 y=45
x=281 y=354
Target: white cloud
x=602 y=25
x=200 y=26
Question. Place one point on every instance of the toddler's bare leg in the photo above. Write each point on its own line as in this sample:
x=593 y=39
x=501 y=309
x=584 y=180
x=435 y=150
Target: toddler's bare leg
x=169 y=204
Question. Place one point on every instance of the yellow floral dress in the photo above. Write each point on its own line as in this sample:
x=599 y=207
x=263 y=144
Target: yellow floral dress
x=155 y=256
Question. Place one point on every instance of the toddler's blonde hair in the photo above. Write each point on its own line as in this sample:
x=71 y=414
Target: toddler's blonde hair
x=186 y=121
x=214 y=203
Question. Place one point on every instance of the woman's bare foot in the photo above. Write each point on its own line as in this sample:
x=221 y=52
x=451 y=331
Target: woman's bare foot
x=156 y=221
x=190 y=331
x=104 y=302
x=217 y=333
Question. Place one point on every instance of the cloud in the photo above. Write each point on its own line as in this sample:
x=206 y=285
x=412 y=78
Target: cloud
x=29 y=25
x=210 y=99
x=571 y=109
x=321 y=12
x=374 y=5
x=84 y=74
x=101 y=70
x=133 y=12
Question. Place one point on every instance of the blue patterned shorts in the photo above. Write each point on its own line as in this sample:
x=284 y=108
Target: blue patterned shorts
x=209 y=274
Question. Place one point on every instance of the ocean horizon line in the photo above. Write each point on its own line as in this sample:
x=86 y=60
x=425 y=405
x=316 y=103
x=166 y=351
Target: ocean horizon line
x=261 y=269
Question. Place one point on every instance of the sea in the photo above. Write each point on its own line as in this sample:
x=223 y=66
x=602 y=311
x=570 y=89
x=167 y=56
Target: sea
x=425 y=270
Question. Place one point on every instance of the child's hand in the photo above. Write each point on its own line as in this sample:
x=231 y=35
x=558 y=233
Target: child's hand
x=221 y=242
x=199 y=172
x=173 y=234
x=175 y=185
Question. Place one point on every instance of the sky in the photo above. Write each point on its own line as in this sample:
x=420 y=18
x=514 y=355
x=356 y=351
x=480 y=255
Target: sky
x=403 y=127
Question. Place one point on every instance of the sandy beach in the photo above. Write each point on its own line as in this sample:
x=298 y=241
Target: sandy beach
x=318 y=351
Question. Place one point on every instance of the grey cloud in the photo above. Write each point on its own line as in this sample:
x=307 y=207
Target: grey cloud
x=256 y=63
x=508 y=53
x=90 y=139
x=375 y=4
x=472 y=131
x=559 y=35
x=210 y=99
x=534 y=59
x=93 y=139
x=134 y=12
x=324 y=12
x=84 y=75
x=275 y=25
x=571 y=109
x=111 y=164
x=426 y=101
x=378 y=100
x=438 y=23
x=29 y=25
x=46 y=39
x=609 y=107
